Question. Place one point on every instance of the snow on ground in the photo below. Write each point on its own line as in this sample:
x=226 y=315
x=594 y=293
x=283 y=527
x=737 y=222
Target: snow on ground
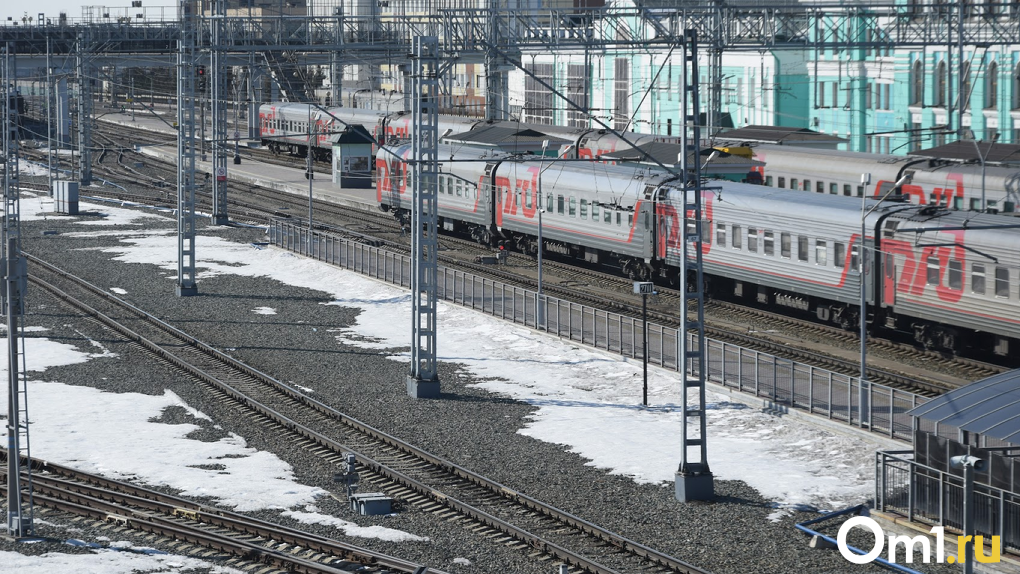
x=587 y=400
x=107 y=562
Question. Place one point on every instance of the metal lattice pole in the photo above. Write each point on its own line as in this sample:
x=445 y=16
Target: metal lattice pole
x=219 y=115
x=694 y=480
x=423 y=381
x=19 y=482
x=186 y=103
x=85 y=107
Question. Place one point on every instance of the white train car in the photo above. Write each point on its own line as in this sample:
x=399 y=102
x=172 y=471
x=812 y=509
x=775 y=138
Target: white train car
x=951 y=185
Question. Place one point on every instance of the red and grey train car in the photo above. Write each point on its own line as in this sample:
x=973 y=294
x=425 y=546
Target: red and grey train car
x=949 y=278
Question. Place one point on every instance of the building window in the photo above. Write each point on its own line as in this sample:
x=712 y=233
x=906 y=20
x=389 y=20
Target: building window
x=966 y=85
x=917 y=84
x=621 y=101
x=1016 y=89
x=538 y=101
x=940 y=84
x=577 y=79
x=992 y=86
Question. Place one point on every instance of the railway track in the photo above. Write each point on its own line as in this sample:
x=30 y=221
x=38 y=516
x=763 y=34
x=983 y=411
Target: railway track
x=588 y=286
x=228 y=533
x=401 y=470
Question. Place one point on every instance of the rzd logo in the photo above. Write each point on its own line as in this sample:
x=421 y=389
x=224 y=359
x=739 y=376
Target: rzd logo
x=909 y=544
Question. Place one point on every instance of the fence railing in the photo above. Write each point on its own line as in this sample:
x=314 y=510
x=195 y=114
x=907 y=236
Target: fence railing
x=781 y=382
x=926 y=494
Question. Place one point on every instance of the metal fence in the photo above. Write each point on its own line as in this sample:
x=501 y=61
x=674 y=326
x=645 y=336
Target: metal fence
x=926 y=494
x=783 y=383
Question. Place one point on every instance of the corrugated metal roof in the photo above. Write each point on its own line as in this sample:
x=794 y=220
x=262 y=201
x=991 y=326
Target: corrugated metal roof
x=777 y=135
x=990 y=407
x=500 y=134
x=669 y=154
x=966 y=151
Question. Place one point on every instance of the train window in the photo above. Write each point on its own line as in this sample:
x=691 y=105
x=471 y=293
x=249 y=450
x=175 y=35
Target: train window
x=975 y=203
x=529 y=200
x=752 y=240
x=782 y=182
x=933 y=271
x=854 y=264
x=619 y=218
x=560 y=204
x=573 y=206
x=793 y=183
x=736 y=236
x=1001 y=282
x=630 y=220
x=933 y=199
x=807 y=185
x=839 y=254
x=584 y=209
x=802 y=248
x=955 y=275
x=820 y=187
x=1008 y=207
x=846 y=189
x=820 y=252
x=720 y=234
x=768 y=180
x=977 y=278
x=833 y=189
x=608 y=216
x=460 y=189
x=770 y=243
x=549 y=202
x=784 y=244
x=957 y=203
x=860 y=191
x=594 y=211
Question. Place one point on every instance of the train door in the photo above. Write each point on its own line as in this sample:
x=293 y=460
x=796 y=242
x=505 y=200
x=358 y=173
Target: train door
x=888 y=279
x=488 y=186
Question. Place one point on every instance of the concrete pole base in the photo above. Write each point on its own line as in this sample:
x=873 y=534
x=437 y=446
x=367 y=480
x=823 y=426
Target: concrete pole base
x=187 y=291
x=419 y=389
x=690 y=487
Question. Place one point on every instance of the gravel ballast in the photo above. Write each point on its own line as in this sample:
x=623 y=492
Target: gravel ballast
x=467 y=425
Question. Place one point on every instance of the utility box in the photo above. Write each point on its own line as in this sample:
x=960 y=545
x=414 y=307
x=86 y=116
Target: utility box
x=371 y=503
x=65 y=197
x=352 y=158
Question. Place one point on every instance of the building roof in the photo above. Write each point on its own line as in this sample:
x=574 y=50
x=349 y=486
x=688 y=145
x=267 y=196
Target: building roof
x=496 y=135
x=967 y=151
x=779 y=135
x=990 y=407
x=669 y=154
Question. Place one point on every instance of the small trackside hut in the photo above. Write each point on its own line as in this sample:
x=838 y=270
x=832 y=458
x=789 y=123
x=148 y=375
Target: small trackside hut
x=982 y=420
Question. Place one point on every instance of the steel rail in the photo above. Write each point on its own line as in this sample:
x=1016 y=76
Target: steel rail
x=393 y=475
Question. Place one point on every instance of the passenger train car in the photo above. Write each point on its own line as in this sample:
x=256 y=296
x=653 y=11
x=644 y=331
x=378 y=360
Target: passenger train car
x=933 y=182
x=951 y=185
x=951 y=279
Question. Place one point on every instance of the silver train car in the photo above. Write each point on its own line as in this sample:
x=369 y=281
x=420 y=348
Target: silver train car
x=950 y=279
x=947 y=184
